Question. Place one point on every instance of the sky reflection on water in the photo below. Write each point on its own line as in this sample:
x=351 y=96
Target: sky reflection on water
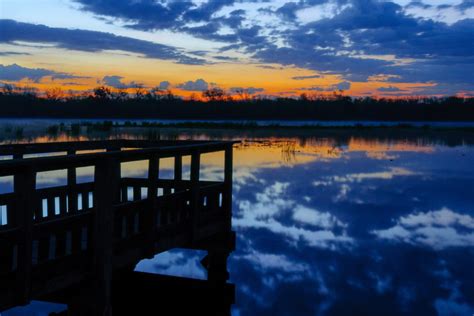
x=359 y=226
x=367 y=228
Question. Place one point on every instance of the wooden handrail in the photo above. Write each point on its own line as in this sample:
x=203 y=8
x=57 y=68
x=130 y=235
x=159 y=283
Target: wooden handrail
x=38 y=164
x=32 y=148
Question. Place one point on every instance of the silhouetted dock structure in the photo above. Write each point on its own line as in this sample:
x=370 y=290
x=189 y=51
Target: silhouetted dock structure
x=78 y=243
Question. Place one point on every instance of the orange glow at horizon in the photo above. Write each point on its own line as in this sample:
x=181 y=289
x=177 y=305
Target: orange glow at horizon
x=276 y=81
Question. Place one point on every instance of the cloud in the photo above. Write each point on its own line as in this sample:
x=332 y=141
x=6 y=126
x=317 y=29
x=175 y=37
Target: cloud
x=449 y=307
x=356 y=40
x=389 y=89
x=269 y=210
x=248 y=90
x=344 y=85
x=144 y=15
x=388 y=174
x=9 y=53
x=466 y=4
x=314 y=88
x=267 y=261
x=175 y=262
x=438 y=229
x=288 y=10
x=178 y=16
x=152 y=15
x=198 y=85
x=351 y=44
x=16 y=72
x=88 y=41
x=225 y=58
x=305 y=77
x=172 y=15
x=116 y=82
x=316 y=218
x=164 y=85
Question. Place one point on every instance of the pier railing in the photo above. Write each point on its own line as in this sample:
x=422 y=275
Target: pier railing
x=53 y=237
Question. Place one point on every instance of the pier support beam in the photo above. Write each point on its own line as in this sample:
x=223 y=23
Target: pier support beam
x=215 y=262
x=218 y=249
x=107 y=191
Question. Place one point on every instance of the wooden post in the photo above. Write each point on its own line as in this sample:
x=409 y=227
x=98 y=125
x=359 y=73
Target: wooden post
x=178 y=172
x=195 y=205
x=153 y=173
x=107 y=178
x=24 y=184
x=215 y=262
x=153 y=211
x=71 y=186
x=228 y=170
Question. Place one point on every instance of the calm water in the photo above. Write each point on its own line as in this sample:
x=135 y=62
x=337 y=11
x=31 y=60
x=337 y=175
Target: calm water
x=342 y=223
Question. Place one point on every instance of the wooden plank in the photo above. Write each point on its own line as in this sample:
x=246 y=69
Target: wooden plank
x=30 y=148
x=137 y=193
x=107 y=179
x=178 y=171
x=151 y=214
x=85 y=200
x=50 y=206
x=8 y=167
x=71 y=185
x=24 y=188
x=195 y=205
x=63 y=205
x=228 y=174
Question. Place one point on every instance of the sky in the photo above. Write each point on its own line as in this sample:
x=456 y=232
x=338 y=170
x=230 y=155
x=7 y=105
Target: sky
x=269 y=48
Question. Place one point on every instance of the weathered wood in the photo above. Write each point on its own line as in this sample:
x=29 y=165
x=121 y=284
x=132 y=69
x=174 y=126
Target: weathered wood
x=24 y=189
x=178 y=173
x=107 y=178
x=63 y=162
x=228 y=175
x=195 y=205
x=152 y=213
x=27 y=148
x=71 y=185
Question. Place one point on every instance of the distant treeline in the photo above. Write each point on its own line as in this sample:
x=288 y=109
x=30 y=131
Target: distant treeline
x=102 y=103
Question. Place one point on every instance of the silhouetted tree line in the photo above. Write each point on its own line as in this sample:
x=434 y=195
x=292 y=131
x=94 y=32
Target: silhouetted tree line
x=217 y=104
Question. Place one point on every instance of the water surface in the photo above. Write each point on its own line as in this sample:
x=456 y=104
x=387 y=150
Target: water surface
x=342 y=223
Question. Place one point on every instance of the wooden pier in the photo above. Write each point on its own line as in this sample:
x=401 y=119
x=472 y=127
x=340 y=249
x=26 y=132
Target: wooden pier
x=91 y=235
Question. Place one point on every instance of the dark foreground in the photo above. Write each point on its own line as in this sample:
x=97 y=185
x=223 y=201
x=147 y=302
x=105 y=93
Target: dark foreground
x=77 y=244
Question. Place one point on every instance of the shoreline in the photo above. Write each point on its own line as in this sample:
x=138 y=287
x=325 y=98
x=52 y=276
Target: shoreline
x=108 y=123
x=254 y=125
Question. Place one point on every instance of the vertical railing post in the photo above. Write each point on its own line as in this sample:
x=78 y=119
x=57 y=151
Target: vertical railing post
x=228 y=170
x=153 y=172
x=151 y=216
x=24 y=184
x=71 y=186
x=195 y=203
x=178 y=172
x=107 y=193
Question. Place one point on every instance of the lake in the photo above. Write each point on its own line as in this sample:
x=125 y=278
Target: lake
x=342 y=222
